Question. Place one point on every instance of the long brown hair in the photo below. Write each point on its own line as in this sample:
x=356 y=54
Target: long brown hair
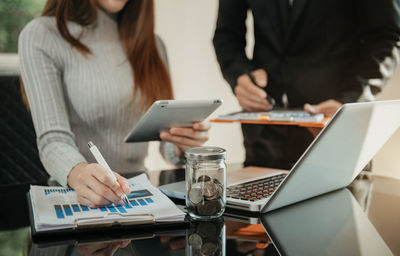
x=136 y=30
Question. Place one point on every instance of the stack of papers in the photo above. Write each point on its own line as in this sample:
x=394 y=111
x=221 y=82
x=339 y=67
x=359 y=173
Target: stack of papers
x=56 y=208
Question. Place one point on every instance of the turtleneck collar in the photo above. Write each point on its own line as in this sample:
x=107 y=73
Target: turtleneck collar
x=113 y=16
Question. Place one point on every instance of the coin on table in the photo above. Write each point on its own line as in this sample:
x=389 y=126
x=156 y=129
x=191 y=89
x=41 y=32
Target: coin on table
x=206 y=208
x=208 y=249
x=196 y=193
x=195 y=241
x=203 y=178
x=209 y=189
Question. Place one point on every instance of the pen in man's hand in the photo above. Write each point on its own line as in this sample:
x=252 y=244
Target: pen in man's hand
x=99 y=158
x=269 y=98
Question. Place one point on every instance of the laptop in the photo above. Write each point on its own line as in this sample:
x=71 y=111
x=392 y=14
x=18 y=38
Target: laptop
x=330 y=224
x=332 y=161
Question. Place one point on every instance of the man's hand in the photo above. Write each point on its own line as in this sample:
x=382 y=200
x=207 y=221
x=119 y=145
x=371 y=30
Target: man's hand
x=251 y=97
x=328 y=108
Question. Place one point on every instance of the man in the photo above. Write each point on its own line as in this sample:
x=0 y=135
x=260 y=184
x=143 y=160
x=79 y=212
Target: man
x=309 y=54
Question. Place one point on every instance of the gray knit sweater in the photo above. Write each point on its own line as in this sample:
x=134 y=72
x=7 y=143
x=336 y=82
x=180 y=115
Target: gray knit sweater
x=74 y=99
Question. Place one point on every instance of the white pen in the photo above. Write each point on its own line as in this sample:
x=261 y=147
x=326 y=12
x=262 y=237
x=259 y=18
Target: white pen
x=100 y=160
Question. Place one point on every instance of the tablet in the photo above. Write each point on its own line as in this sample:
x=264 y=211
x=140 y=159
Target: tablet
x=164 y=114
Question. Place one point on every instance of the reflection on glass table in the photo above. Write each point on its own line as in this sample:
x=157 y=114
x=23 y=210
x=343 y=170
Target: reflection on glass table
x=227 y=236
x=331 y=224
x=247 y=239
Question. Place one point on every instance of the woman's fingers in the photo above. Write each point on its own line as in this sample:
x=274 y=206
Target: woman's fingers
x=92 y=196
x=123 y=183
x=84 y=201
x=202 y=126
x=189 y=133
x=95 y=186
x=185 y=137
x=104 y=191
x=180 y=141
x=104 y=177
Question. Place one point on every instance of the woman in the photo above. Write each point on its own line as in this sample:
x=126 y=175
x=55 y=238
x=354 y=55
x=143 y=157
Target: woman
x=90 y=69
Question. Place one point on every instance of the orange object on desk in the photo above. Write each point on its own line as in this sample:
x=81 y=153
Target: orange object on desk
x=264 y=119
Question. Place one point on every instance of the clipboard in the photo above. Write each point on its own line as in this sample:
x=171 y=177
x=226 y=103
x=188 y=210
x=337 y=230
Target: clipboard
x=91 y=226
x=262 y=118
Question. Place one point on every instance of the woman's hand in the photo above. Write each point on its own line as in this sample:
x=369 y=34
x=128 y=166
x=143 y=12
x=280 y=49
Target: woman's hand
x=94 y=186
x=187 y=137
x=103 y=248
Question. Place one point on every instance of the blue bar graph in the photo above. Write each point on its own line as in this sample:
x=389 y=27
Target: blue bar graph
x=59 y=212
x=134 y=203
x=139 y=193
x=67 y=210
x=121 y=209
x=142 y=202
x=76 y=208
x=49 y=191
x=112 y=208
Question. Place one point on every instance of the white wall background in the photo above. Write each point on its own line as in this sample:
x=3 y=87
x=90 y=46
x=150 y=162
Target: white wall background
x=187 y=28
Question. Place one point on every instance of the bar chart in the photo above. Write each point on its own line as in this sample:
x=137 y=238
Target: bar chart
x=58 y=190
x=139 y=198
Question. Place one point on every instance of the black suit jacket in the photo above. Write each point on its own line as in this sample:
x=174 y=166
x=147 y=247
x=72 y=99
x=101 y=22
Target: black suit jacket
x=313 y=51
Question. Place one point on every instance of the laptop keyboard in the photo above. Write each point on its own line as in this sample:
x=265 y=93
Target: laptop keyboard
x=256 y=189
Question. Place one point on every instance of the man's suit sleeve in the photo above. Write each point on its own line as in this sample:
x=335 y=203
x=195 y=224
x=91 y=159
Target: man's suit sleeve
x=230 y=39
x=378 y=50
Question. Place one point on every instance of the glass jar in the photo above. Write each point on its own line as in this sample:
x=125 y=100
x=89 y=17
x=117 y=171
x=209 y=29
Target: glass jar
x=205 y=182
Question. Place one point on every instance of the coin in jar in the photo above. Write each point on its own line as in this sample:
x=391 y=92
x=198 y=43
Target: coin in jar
x=207 y=208
x=196 y=193
x=215 y=205
x=203 y=178
x=216 y=181
x=208 y=249
x=220 y=191
x=195 y=241
x=209 y=189
x=218 y=204
x=219 y=188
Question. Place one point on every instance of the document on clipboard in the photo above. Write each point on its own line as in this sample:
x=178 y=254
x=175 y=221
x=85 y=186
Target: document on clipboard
x=56 y=208
x=276 y=117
